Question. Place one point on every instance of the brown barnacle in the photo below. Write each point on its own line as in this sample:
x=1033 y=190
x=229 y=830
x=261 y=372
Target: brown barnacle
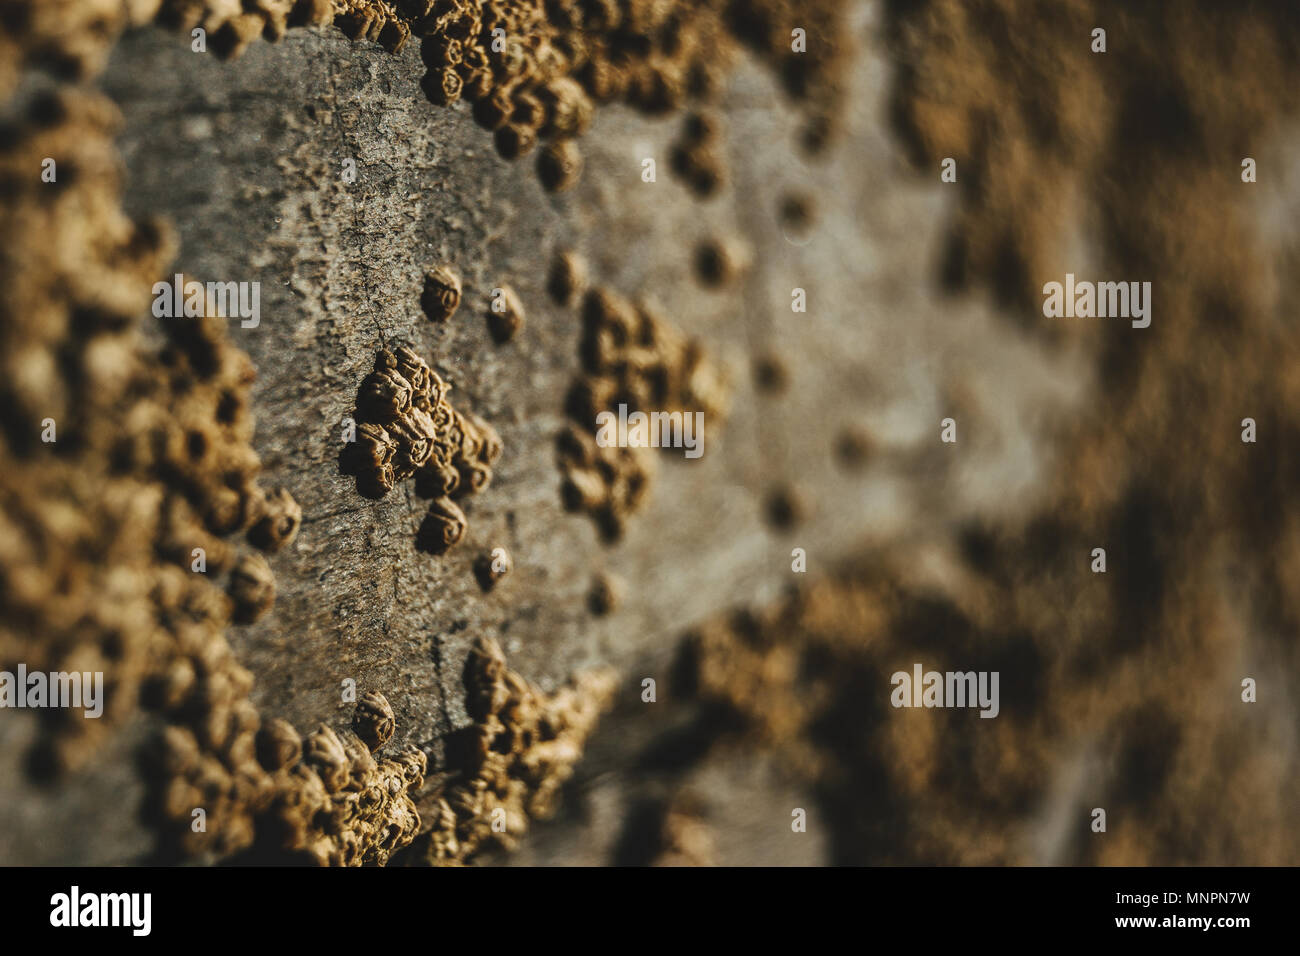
x=493 y=111
x=700 y=127
x=414 y=435
x=421 y=378
x=568 y=278
x=278 y=745
x=559 y=165
x=483 y=677
x=373 y=720
x=177 y=753
x=168 y=689
x=490 y=445
x=385 y=395
x=374 y=450
x=311 y=13
x=506 y=315
x=251 y=588
x=236 y=33
x=442 y=289
x=437 y=479
x=718 y=262
x=771 y=374
x=474 y=477
x=442 y=528
x=568 y=108
x=514 y=140
x=853 y=446
x=583 y=490
x=528 y=111
x=606 y=593
x=393 y=35
x=797 y=212
x=602 y=308
x=280 y=519
x=589 y=396
x=491 y=568
x=785 y=507
x=355 y=23
x=276 y=13
x=706 y=173
x=442 y=86
x=657 y=89
x=575 y=446
x=324 y=753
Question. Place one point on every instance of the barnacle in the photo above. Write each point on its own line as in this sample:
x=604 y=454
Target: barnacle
x=373 y=720
x=719 y=262
x=568 y=278
x=606 y=593
x=491 y=568
x=506 y=315
x=559 y=165
x=279 y=521
x=785 y=507
x=251 y=588
x=441 y=295
x=443 y=527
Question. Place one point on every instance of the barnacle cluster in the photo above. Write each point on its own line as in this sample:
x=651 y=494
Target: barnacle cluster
x=696 y=155
x=631 y=356
x=511 y=761
x=323 y=798
x=534 y=70
x=116 y=533
x=407 y=429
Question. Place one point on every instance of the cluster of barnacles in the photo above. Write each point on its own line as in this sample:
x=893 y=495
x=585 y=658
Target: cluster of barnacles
x=407 y=429
x=512 y=760
x=324 y=797
x=634 y=357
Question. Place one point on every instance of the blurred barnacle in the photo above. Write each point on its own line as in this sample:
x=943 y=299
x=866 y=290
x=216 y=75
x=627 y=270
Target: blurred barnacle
x=278 y=745
x=771 y=374
x=853 y=447
x=278 y=524
x=514 y=140
x=505 y=316
x=323 y=752
x=719 y=262
x=251 y=588
x=785 y=507
x=559 y=165
x=568 y=278
x=491 y=568
x=606 y=593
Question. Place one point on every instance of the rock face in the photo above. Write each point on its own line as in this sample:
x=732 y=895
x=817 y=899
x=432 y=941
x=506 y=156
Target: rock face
x=674 y=242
